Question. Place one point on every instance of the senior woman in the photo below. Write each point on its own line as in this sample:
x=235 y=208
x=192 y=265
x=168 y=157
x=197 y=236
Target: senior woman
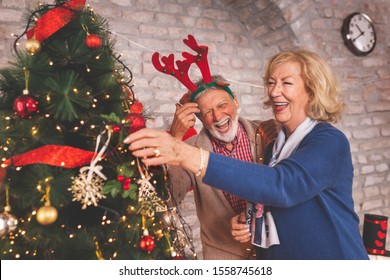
x=308 y=183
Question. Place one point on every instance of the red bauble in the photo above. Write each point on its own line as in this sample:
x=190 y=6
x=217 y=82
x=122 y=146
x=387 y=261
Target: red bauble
x=147 y=243
x=25 y=106
x=136 y=107
x=93 y=41
x=136 y=121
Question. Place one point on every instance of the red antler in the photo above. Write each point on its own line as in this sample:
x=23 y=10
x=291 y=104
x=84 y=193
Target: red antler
x=200 y=59
x=181 y=73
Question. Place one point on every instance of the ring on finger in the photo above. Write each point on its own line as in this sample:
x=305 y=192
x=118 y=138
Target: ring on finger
x=157 y=152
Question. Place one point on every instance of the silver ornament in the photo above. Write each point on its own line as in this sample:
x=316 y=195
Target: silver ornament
x=8 y=223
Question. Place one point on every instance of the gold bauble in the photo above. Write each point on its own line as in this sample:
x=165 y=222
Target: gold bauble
x=47 y=215
x=32 y=46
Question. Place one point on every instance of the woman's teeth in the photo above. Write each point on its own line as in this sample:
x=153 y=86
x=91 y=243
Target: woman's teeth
x=280 y=105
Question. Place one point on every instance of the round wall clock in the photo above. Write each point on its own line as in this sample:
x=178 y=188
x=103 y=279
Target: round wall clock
x=359 y=34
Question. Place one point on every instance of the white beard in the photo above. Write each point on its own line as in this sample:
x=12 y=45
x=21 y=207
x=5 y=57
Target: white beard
x=229 y=136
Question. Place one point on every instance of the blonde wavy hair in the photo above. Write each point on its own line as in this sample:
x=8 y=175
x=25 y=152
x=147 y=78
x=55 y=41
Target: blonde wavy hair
x=326 y=99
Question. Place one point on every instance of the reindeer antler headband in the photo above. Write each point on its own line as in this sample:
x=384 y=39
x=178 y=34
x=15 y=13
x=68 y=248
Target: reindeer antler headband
x=181 y=73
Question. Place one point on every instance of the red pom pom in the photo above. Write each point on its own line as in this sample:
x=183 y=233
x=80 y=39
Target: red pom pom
x=126 y=185
x=137 y=107
x=147 y=243
x=136 y=121
x=120 y=178
x=116 y=128
x=25 y=106
x=93 y=41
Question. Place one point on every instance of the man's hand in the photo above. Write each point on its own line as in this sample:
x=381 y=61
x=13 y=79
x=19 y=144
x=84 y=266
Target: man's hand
x=240 y=230
x=184 y=119
x=268 y=131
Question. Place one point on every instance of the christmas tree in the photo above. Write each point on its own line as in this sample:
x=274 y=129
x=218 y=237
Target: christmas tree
x=70 y=188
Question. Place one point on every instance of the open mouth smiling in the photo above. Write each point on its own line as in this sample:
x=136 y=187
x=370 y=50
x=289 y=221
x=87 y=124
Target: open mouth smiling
x=223 y=125
x=280 y=106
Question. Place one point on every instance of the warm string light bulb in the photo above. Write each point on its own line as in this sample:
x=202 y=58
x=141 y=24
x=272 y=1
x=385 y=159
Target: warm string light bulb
x=34 y=131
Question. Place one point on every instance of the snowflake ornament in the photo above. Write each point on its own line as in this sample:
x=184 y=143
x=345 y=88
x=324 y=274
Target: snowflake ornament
x=87 y=187
x=87 y=192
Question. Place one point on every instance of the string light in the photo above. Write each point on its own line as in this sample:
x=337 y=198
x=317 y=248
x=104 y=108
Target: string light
x=35 y=131
x=152 y=50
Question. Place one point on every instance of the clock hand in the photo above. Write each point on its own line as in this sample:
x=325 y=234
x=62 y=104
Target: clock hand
x=354 y=39
x=361 y=33
x=359 y=28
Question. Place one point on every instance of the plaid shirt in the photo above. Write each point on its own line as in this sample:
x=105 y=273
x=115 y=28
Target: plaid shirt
x=241 y=150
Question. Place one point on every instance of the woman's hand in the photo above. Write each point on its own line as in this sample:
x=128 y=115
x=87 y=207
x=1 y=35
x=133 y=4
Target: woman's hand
x=157 y=147
x=240 y=230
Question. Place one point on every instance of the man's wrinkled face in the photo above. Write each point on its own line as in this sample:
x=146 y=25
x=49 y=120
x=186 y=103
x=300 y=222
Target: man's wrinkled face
x=219 y=114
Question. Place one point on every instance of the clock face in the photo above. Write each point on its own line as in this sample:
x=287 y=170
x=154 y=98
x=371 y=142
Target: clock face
x=359 y=33
x=362 y=33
